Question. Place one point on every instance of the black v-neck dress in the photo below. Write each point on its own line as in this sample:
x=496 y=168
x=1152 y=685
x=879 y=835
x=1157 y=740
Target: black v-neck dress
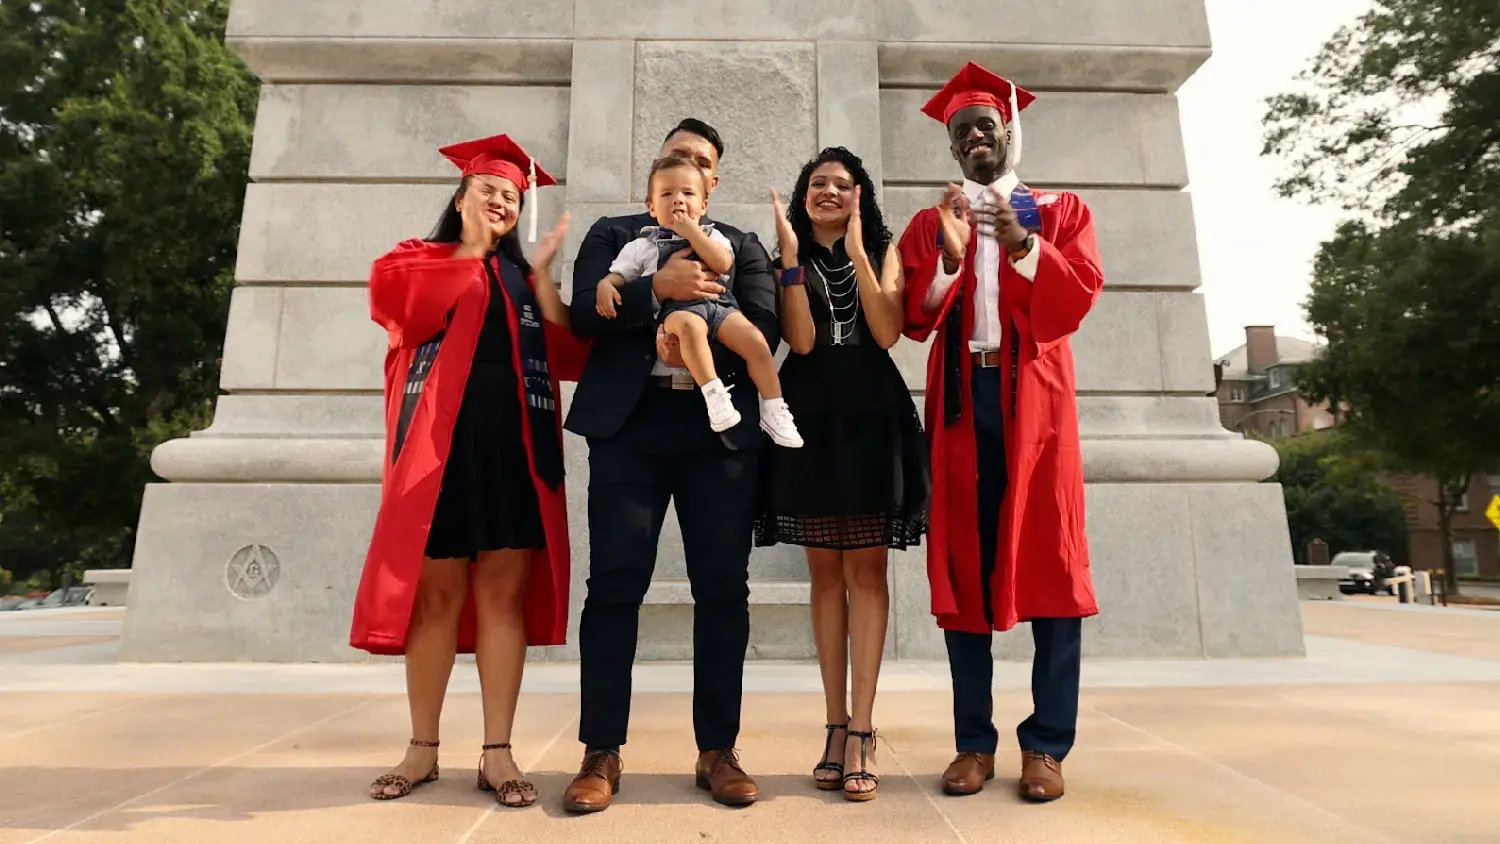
x=861 y=479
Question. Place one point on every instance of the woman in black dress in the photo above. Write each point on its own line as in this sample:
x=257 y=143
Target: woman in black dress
x=859 y=485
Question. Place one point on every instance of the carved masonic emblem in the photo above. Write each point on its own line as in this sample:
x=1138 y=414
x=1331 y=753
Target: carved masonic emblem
x=252 y=572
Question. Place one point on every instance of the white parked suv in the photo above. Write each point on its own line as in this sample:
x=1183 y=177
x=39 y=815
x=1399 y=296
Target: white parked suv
x=1363 y=575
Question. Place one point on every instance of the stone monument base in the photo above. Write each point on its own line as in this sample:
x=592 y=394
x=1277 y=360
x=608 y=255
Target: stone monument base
x=1181 y=570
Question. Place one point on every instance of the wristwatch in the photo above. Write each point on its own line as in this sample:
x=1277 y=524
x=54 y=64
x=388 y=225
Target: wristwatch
x=1026 y=246
x=791 y=277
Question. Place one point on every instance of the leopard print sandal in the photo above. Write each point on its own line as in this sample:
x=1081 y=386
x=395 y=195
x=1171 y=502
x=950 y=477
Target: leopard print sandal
x=520 y=788
x=403 y=785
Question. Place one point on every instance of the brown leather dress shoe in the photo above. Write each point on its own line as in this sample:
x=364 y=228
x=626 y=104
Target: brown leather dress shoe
x=968 y=773
x=720 y=774
x=597 y=783
x=1041 y=777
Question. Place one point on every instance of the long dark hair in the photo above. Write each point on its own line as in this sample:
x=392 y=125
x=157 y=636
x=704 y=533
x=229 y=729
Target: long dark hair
x=450 y=228
x=877 y=236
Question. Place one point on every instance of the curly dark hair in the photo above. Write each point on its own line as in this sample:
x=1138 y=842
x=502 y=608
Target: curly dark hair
x=877 y=236
x=450 y=228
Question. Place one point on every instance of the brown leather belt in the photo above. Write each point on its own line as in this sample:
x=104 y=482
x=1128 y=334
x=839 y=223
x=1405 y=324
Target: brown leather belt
x=675 y=381
x=988 y=360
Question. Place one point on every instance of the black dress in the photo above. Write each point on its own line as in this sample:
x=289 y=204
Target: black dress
x=487 y=502
x=861 y=480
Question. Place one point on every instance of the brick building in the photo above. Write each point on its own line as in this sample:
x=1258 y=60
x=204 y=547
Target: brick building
x=1476 y=544
x=1258 y=396
x=1257 y=386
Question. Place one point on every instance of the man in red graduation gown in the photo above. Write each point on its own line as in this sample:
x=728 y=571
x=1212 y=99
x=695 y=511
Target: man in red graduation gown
x=1004 y=275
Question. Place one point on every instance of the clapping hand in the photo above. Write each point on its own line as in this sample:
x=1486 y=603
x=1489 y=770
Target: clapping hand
x=786 y=238
x=954 y=222
x=854 y=235
x=546 y=251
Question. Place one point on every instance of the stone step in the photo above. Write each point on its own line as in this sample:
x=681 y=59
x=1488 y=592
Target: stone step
x=780 y=625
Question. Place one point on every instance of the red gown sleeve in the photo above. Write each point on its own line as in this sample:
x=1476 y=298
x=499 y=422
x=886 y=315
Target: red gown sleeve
x=1069 y=276
x=414 y=286
x=920 y=254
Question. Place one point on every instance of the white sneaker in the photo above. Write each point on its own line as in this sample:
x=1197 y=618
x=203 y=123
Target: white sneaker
x=721 y=413
x=776 y=420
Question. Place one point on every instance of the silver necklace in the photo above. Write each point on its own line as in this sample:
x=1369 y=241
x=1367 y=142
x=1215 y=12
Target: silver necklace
x=842 y=293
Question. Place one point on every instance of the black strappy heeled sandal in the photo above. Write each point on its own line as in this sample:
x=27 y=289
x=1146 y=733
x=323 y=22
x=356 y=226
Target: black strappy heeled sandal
x=404 y=786
x=837 y=782
x=867 y=744
x=520 y=788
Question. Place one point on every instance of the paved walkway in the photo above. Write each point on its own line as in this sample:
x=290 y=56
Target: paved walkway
x=1363 y=741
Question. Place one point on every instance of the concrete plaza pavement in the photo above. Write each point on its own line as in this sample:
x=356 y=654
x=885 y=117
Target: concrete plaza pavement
x=1388 y=731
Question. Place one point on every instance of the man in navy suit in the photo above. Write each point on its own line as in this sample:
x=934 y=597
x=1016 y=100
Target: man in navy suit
x=650 y=444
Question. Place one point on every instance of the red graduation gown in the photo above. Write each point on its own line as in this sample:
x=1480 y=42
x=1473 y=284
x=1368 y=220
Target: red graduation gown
x=1042 y=565
x=413 y=289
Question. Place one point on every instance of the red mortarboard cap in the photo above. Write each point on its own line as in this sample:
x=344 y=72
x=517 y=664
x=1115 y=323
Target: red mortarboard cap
x=973 y=85
x=498 y=156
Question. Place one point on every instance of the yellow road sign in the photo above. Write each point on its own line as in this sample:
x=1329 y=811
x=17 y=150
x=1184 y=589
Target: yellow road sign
x=1492 y=512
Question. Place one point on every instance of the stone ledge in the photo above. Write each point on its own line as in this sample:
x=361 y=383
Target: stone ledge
x=1073 y=67
x=111 y=587
x=329 y=460
x=297 y=415
x=314 y=416
x=271 y=459
x=781 y=592
x=1177 y=460
x=431 y=61
x=1320 y=583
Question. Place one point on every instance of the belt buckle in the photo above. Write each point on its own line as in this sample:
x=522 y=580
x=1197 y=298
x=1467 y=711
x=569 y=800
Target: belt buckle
x=682 y=381
x=983 y=359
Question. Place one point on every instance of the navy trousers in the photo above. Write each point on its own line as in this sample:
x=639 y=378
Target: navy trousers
x=667 y=453
x=1059 y=641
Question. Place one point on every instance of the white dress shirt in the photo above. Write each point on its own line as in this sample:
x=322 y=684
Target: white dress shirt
x=987 y=327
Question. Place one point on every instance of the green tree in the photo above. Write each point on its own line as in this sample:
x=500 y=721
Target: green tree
x=1407 y=296
x=125 y=130
x=1332 y=496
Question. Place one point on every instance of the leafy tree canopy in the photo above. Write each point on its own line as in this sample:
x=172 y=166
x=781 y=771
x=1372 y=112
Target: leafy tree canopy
x=125 y=130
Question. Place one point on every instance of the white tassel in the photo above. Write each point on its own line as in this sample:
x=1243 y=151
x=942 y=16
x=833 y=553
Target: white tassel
x=1013 y=150
x=531 y=222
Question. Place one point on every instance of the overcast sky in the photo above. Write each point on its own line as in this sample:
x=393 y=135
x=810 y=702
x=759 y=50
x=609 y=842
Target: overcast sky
x=1256 y=249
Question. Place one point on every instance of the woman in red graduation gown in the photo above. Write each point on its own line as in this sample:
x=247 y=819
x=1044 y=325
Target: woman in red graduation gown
x=470 y=546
